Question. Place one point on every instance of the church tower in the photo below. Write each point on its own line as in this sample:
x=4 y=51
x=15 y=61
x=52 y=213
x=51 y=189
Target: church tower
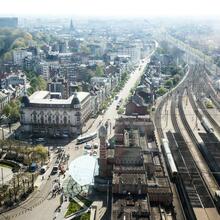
x=71 y=26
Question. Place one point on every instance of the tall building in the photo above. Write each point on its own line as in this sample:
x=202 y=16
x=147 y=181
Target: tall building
x=8 y=22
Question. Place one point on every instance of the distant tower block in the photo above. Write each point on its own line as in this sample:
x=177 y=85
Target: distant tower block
x=103 y=152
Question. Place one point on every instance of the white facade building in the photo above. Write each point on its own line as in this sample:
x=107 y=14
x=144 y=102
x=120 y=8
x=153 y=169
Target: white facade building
x=43 y=115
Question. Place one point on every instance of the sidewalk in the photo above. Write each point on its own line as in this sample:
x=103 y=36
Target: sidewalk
x=38 y=182
x=60 y=215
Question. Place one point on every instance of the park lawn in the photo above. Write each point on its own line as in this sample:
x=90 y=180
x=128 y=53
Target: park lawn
x=5 y=166
x=85 y=216
x=72 y=208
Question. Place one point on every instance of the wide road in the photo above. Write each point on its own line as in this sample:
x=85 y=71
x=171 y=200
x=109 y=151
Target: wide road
x=111 y=113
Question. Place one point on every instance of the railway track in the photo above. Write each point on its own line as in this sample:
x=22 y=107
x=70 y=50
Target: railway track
x=157 y=119
x=210 y=149
x=191 y=186
x=189 y=182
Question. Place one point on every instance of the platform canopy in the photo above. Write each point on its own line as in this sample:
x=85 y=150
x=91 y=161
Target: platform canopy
x=83 y=169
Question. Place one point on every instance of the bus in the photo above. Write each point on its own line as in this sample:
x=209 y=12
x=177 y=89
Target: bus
x=85 y=138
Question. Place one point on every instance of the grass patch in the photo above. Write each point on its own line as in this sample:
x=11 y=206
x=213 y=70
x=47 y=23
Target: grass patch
x=72 y=208
x=85 y=216
x=5 y=165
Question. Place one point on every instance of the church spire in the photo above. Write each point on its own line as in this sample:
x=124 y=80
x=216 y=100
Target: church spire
x=71 y=25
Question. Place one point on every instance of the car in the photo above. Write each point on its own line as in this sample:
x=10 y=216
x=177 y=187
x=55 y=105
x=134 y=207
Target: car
x=40 y=141
x=54 y=170
x=95 y=153
x=65 y=135
x=43 y=169
x=116 y=97
x=88 y=146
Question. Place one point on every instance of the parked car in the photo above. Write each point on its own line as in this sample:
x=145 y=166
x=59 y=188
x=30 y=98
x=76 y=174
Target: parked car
x=33 y=167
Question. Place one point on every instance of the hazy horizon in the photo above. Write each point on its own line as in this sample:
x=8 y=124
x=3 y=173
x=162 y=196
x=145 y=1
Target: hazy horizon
x=113 y=8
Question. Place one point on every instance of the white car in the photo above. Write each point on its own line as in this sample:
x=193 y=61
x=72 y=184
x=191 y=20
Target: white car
x=88 y=146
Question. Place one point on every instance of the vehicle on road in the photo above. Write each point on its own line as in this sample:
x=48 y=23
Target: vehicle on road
x=55 y=170
x=88 y=147
x=116 y=97
x=43 y=169
x=86 y=138
x=40 y=141
x=33 y=167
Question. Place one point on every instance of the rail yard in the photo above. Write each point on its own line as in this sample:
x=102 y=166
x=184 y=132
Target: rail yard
x=188 y=133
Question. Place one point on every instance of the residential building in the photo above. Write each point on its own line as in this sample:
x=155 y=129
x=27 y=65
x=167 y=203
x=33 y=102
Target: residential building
x=4 y=99
x=15 y=79
x=42 y=68
x=140 y=102
x=60 y=85
x=19 y=56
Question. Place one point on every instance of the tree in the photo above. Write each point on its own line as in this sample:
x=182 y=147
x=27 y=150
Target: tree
x=99 y=71
x=6 y=110
x=11 y=110
x=18 y=43
x=176 y=79
x=7 y=57
x=14 y=114
x=41 y=152
x=161 y=90
x=36 y=82
x=169 y=83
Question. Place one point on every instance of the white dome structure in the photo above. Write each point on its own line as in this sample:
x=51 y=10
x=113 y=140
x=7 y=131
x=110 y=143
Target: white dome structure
x=83 y=169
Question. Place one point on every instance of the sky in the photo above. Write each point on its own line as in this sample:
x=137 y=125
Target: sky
x=117 y=8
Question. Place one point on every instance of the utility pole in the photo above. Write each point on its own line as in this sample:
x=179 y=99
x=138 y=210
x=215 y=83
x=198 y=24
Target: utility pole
x=3 y=135
x=2 y=176
x=14 y=189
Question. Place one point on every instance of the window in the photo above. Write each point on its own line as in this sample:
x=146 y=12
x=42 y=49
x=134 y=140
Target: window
x=65 y=120
x=42 y=117
x=49 y=118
